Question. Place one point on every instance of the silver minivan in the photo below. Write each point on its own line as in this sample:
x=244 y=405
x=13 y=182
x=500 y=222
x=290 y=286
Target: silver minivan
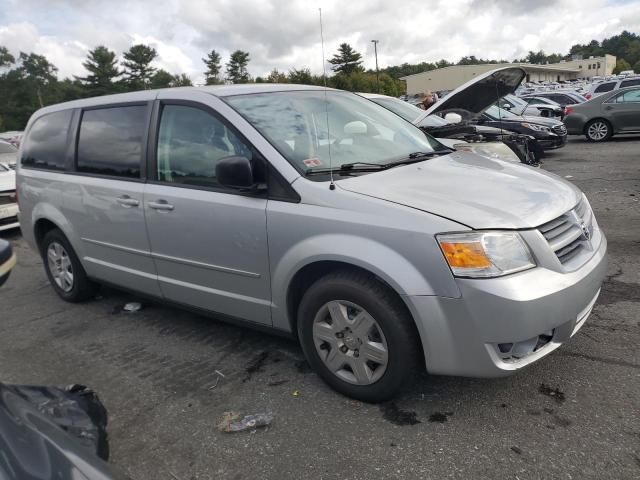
x=316 y=213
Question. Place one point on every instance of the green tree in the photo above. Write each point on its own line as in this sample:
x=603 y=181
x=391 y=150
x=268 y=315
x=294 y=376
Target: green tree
x=237 y=67
x=301 y=76
x=137 y=66
x=161 y=79
x=102 y=66
x=212 y=74
x=38 y=73
x=621 y=66
x=6 y=59
x=181 y=80
x=347 y=60
x=636 y=67
x=277 y=77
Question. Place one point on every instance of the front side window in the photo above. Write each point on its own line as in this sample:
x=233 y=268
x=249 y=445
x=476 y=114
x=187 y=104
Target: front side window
x=191 y=142
x=314 y=129
x=110 y=141
x=46 y=143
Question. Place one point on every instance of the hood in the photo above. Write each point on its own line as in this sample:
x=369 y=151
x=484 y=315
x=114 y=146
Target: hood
x=7 y=180
x=478 y=94
x=546 y=121
x=472 y=190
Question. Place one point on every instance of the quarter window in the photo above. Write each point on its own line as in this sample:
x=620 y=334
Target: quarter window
x=110 y=141
x=632 y=96
x=46 y=144
x=191 y=142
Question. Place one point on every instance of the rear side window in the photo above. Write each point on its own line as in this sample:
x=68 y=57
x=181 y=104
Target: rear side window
x=605 y=87
x=630 y=83
x=46 y=145
x=632 y=96
x=110 y=141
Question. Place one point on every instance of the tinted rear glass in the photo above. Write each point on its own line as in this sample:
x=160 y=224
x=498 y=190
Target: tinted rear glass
x=110 y=141
x=630 y=83
x=605 y=87
x=46 y=143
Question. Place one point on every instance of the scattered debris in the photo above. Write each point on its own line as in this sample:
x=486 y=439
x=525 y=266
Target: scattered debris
x=439 y=417
x=554 y=393
x=275 y=383
x=220 y=375
x=516 y=450
x=231 y=422
x=296 y=393
x=393 y=414
x=132 y=307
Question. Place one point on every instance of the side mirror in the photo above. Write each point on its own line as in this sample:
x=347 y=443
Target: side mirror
x=355 y=128
x=453 y=118
x=506 y=106
x=7 y=260
x=235 y=172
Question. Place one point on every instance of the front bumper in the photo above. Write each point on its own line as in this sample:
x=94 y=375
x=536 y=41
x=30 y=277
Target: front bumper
x=9 y=217
x=550 y=143
x=464 y=336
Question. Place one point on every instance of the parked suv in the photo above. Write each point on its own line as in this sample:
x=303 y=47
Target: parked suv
x=316 y=213
x=598 y=89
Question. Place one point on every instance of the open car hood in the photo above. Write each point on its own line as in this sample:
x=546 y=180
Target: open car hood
x=478 y=94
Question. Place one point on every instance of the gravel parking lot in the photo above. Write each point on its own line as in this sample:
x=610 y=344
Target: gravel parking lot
x=574 y=414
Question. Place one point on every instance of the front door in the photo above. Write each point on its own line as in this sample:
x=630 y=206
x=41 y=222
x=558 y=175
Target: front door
x=624 y=110
x=209 y=243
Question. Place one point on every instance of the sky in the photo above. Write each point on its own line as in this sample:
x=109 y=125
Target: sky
x=285 y=33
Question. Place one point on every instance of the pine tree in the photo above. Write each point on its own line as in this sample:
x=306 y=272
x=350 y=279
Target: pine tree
x=6 y=59
x=237 y=67
x=347 y=60
x=137 y=66
x=102 y=66
x=212 y=74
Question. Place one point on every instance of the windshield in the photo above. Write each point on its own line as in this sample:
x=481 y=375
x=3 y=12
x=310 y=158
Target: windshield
x=404 y=109
x=314 y=133
x=497 y=113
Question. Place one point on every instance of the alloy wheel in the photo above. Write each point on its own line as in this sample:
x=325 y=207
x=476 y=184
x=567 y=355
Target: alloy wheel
x=350 y=342
x=598 y=131
x=60 y=266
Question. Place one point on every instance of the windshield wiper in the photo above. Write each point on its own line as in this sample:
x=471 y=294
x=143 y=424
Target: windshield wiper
x=375 y=167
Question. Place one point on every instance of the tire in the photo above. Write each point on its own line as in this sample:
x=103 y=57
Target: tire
x=58 y=253
x=598 y=130
x=354 y=299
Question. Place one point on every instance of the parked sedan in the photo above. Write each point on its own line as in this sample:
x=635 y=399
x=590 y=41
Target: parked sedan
x=531 y=108
x=8 y=200
x=602 y=117
x=561 y=98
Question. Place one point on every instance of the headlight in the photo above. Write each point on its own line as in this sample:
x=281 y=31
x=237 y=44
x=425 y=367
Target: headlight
x=537 y=128
x=485 y=254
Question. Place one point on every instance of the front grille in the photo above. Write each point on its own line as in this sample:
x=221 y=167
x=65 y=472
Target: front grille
x=569 y=234
x=8 y=198
x=560 y=129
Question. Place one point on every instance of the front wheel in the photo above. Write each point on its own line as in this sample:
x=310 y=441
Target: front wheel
x=598 y=130
x=358 y=336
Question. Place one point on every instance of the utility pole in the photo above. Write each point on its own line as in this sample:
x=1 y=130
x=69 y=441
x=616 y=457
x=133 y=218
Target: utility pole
x=375 y=49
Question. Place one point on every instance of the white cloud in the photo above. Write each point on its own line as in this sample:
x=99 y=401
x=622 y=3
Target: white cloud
x=284 y=34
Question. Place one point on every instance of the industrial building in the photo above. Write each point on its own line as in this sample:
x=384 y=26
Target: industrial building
x=452 y=77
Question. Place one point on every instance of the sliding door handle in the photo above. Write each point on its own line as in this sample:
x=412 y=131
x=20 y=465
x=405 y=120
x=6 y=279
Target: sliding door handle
x=161 y=205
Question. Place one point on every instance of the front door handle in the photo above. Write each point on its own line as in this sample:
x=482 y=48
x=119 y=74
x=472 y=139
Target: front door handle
x=161 y=205
x=608 y=108
x=127 y=202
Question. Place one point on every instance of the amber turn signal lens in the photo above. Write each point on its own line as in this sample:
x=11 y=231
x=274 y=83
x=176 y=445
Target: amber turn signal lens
x=465 y=255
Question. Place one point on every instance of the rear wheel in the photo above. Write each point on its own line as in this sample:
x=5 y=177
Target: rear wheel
x=598 y=130
x=358 y=336
x=65 y=272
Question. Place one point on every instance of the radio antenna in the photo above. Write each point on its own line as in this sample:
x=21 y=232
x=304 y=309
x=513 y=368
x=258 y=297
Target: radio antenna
x=332 y=185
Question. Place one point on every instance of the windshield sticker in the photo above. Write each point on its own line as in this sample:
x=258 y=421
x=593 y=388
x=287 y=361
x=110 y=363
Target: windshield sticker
x=312 y=162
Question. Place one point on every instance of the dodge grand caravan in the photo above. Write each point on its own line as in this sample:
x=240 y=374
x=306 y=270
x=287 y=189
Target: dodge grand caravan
x=316 y=213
